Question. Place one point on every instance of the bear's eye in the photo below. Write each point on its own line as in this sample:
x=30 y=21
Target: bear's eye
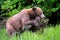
x=40 y=13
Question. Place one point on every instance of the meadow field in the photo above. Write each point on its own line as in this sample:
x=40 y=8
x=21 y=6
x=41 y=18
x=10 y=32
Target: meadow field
x=50 y=8
x=49 y=33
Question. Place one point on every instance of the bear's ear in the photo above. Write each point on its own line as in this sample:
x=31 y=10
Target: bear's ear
x=34 y=8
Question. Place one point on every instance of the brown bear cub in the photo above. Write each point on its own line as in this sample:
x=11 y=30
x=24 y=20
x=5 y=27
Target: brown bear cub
x=17 y=22
x=32 y=25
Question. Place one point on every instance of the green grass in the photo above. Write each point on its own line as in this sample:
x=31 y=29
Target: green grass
x=49 y=33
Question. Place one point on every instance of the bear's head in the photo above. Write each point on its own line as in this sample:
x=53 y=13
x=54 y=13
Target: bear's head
x=36 y=11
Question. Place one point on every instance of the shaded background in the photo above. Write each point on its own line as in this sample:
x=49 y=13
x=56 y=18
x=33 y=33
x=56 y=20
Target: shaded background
x=51 y=9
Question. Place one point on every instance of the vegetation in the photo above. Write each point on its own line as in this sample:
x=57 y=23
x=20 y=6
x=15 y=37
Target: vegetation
x=51 y=8
x=49 y=33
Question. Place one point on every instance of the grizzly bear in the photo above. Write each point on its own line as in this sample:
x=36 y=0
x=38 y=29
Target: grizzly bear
x=16 y=22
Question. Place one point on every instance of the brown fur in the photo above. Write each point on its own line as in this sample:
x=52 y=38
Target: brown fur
x=16 y=22
x=32 y=23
